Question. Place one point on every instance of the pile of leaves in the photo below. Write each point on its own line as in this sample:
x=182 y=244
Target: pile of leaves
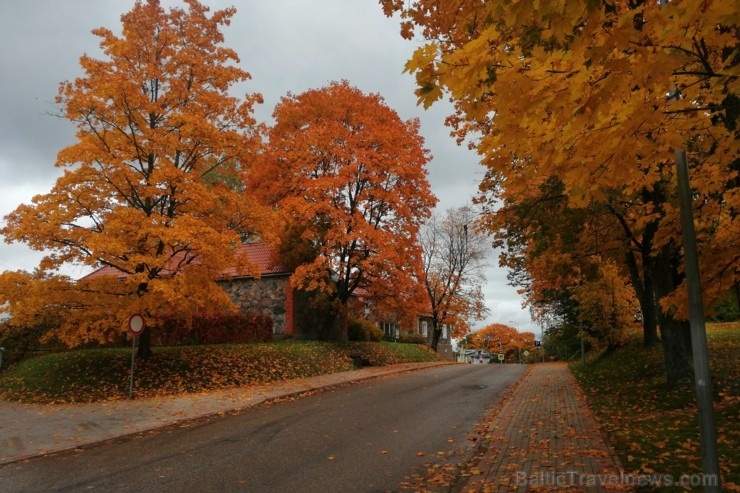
x=654 y=428
x=104 y=374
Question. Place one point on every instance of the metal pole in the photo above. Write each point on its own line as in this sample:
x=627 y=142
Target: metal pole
x=133 y=355
x=700 y=351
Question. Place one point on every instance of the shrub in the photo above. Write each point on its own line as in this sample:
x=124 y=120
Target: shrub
x=412 y=338
x=221 y=329
x=23 y=342
x=726 y=310
x=364 y=330
x=16 y=342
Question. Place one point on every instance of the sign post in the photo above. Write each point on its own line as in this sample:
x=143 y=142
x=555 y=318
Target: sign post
x=135 y=326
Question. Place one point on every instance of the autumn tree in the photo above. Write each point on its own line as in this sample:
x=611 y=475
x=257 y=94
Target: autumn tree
x=150 y=189
x=501 y=338
x=349 y=177
x=454 y=258
x=607 y=305
x=579 y=91
x=553 y=250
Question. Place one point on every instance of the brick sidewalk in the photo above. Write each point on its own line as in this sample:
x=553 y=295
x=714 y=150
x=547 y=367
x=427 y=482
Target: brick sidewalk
x=545 y=438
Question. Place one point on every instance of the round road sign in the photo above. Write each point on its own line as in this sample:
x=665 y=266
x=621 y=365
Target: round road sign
x=136 y=324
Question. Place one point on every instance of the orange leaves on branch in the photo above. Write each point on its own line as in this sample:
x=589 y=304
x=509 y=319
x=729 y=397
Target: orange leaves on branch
x=607 y=305
x=577 y=92
x=500 y=337
x=349 y=179
x=151 y=186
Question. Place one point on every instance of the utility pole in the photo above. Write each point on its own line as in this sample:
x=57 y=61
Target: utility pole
x=700 y=351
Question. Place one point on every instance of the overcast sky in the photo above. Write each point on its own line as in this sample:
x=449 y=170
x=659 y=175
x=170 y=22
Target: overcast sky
x=286 y=45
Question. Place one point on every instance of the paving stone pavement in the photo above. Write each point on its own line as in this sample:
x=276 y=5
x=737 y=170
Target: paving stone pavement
x=545 y=438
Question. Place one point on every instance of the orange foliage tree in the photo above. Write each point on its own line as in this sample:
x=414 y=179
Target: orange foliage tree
x=151 y=186
x=607 y=305
x=556 y=255
x=349 y=177
x=500 y=338
x=453 y=256
x=578 y=91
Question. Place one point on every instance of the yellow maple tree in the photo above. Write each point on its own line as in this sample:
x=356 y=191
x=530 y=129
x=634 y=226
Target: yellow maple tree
x=575 y=262
x=151 y=187
x=580 y=91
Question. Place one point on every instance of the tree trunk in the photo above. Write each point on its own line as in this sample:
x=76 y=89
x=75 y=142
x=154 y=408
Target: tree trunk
x=649 y=319
x=340 y=326
x=436 y=334
x=344 y=334
x=675 y=334
x=643 y=286
x=145 y=344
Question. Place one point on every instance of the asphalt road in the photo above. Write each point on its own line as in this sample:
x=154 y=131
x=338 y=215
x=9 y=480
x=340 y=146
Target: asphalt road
x=365 y=437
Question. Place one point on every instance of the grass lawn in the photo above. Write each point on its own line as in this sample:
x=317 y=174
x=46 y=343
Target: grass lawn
x=653 y=428
x=104 y=374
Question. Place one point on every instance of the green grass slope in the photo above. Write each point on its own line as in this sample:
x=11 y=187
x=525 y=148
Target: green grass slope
x=654 y=428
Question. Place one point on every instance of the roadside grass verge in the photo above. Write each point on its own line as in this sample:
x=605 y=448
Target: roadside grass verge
x=654 y=428
x=104 y=374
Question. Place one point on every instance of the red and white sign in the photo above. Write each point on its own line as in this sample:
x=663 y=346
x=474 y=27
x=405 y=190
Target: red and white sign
x=136 y=324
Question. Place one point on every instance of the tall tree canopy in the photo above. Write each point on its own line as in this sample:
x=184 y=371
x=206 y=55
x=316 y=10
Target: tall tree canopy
x=578 y=90
x=454 y=258
x=149 y=187
x=559 y=254
x=502 y=339
x=349 y=177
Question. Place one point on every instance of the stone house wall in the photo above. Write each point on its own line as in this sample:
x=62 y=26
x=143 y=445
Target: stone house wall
x=292 y=313
x=267 y=295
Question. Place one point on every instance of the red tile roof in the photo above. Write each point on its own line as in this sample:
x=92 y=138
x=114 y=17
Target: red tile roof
x=259 y=254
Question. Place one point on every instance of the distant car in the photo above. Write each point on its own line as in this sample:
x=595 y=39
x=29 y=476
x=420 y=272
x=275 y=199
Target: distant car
x=477 y=355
